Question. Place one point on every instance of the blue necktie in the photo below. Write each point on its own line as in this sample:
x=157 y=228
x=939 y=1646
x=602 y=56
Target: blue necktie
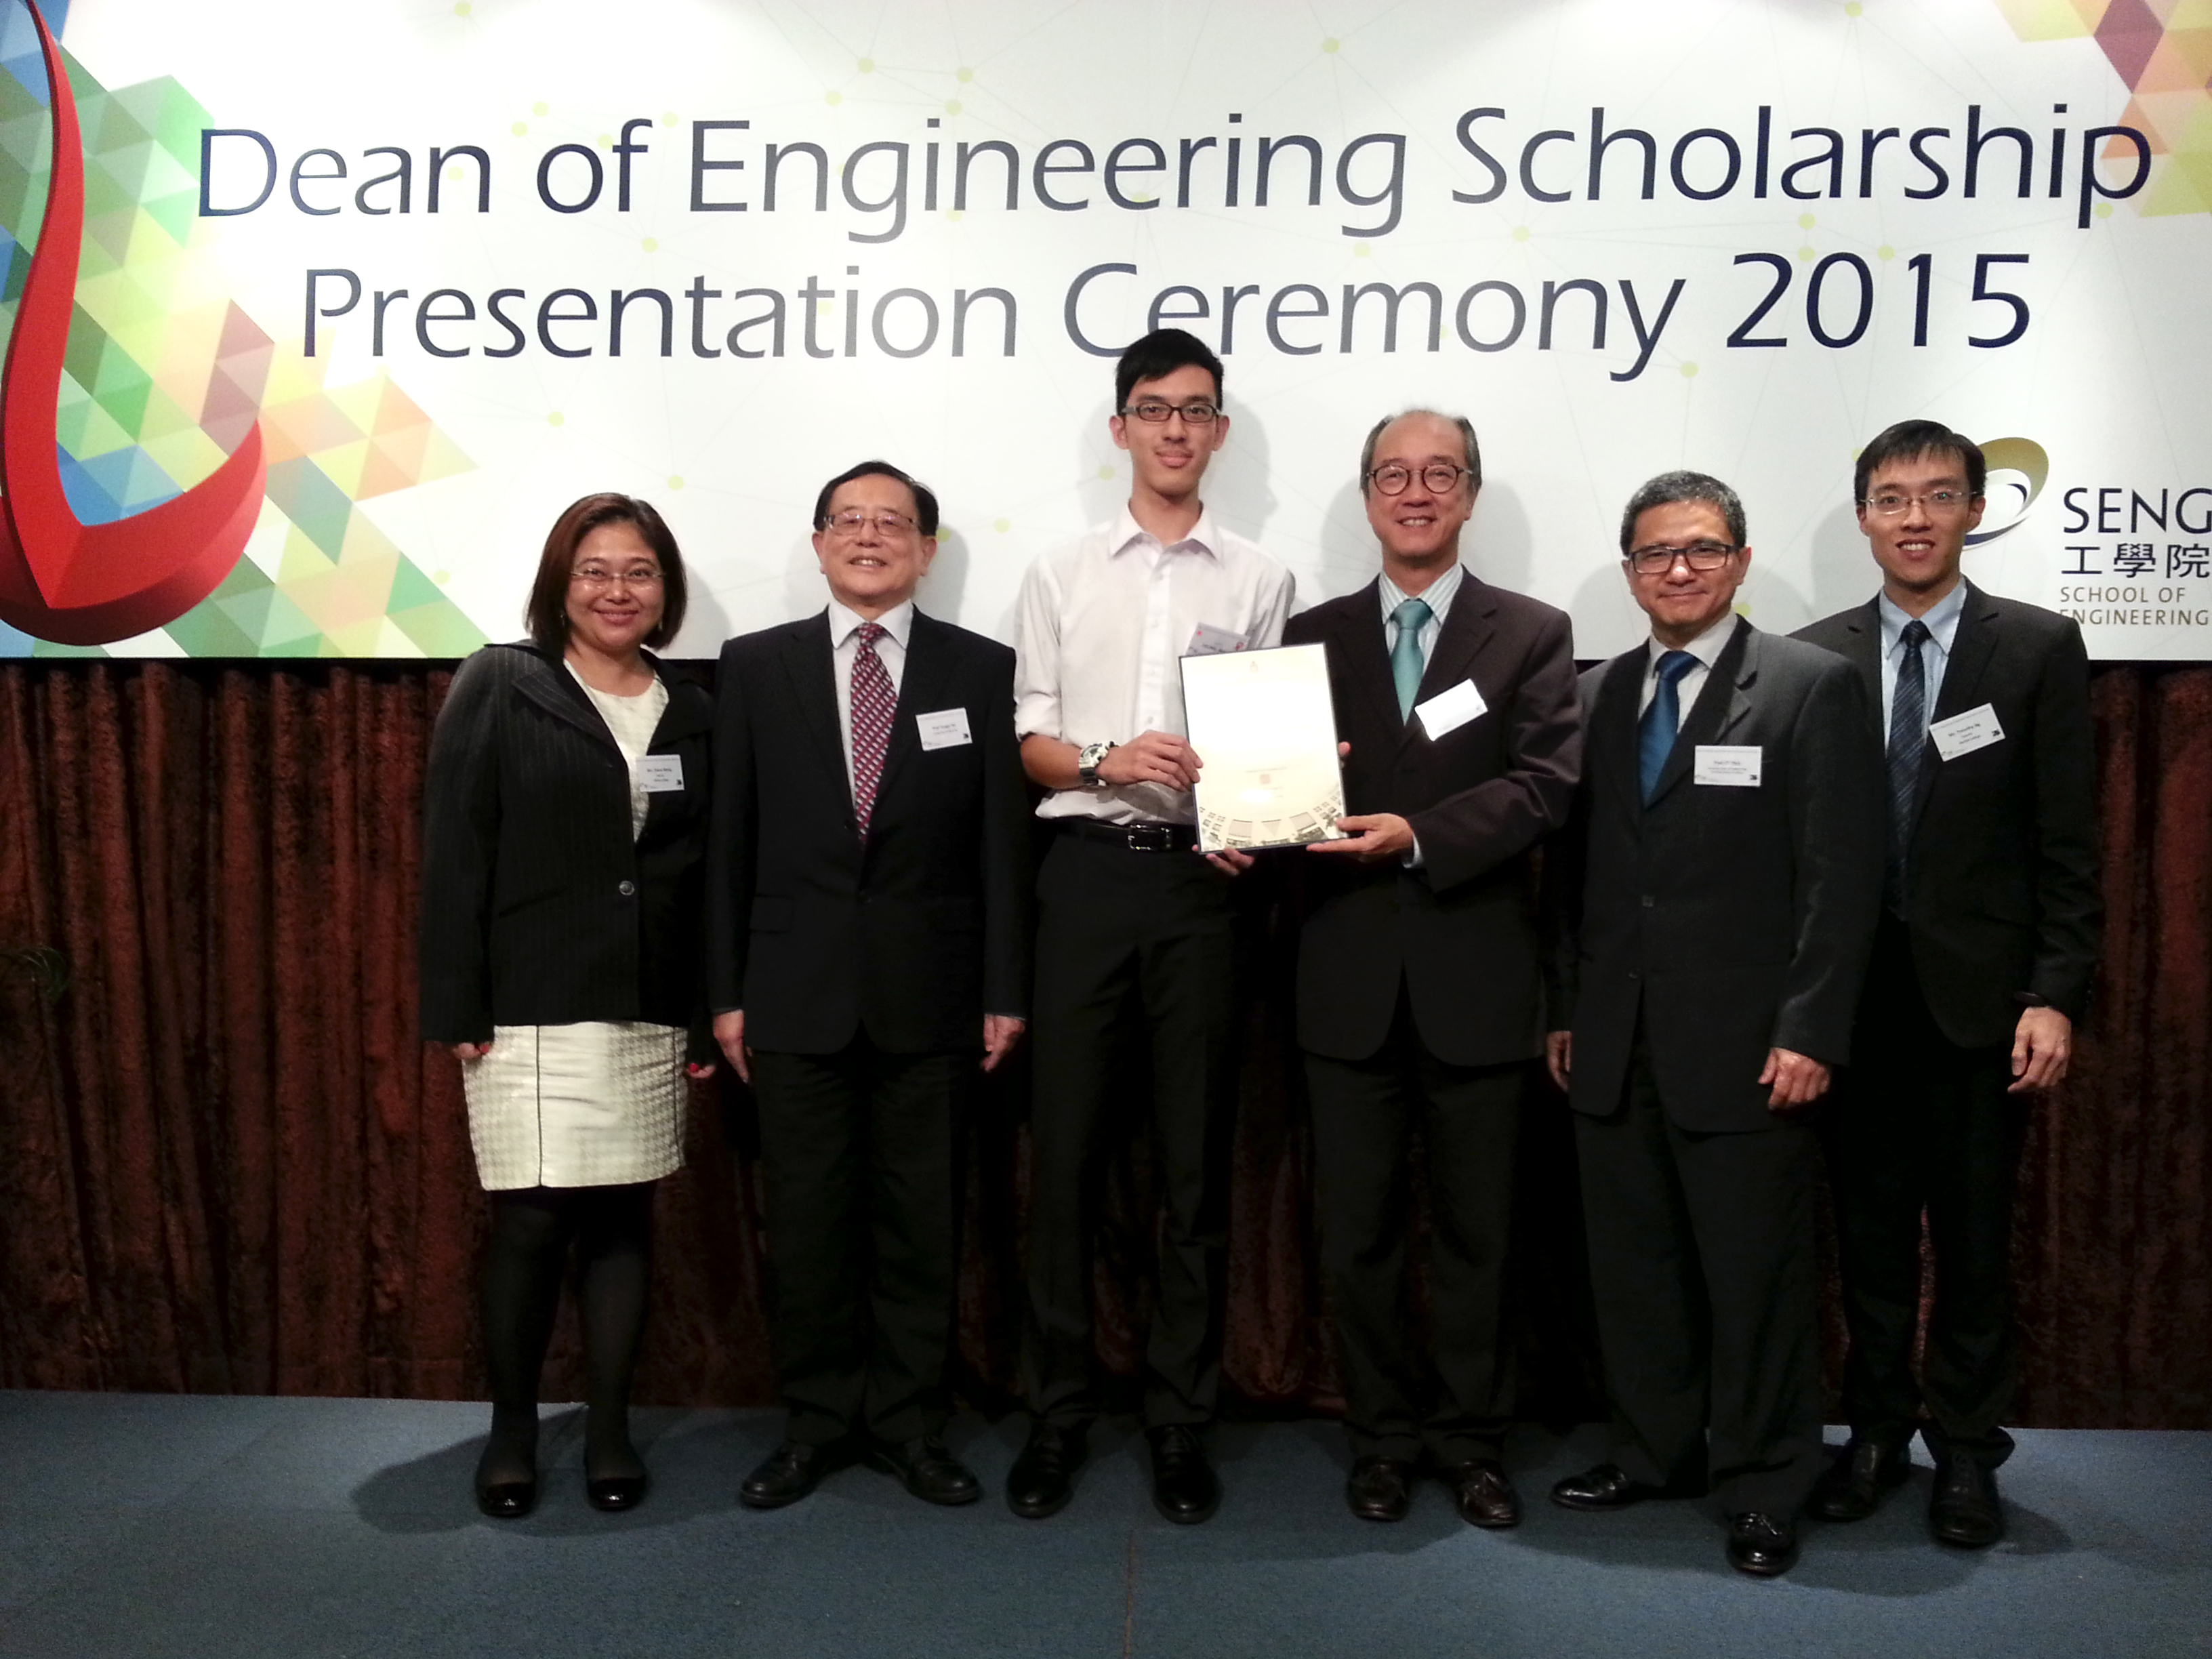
x=1908 y=735
x=1655 y=735
x=1406 y=664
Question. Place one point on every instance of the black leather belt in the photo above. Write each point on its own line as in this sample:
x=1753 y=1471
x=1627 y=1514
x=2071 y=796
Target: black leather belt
x=1136 y=837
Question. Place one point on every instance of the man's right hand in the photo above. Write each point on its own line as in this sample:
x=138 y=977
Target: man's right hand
x=1559 y=1056
x=1158 y=757
x=730 y=1038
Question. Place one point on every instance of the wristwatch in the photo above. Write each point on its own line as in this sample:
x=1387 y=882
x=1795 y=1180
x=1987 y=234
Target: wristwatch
x=1087 y=760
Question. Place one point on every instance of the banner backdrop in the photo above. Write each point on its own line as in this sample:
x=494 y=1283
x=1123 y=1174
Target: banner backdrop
x=335 y=305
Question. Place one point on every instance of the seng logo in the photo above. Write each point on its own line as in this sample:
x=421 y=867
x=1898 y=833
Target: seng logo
x=2018 y=468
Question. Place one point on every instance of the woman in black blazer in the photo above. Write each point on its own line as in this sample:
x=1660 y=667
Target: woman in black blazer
x=564 y=819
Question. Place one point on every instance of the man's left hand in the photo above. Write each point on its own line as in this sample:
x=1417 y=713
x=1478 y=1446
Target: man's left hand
x=1000 y=1033
x=1373 y=835
x=2042 y=1044
x=1230 y=861
x=1796 y=1079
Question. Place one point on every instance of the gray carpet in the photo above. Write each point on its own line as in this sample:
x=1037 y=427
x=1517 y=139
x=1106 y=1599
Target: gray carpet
x=137 y=1525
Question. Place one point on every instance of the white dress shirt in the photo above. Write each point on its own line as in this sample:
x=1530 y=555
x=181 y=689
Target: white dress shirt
x=1706 y=648
x=1942 y=620
x=1103 y=627
x=897 y=624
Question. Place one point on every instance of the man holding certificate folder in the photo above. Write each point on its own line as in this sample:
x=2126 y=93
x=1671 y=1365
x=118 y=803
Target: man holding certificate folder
x=1419 y=990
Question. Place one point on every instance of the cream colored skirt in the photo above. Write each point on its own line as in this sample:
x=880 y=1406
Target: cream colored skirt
x=595 y=1104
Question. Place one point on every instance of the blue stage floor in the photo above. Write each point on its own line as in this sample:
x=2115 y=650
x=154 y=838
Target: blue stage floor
x=138 y=1527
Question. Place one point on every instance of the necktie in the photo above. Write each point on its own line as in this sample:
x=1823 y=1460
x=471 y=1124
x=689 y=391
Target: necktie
x=873 y=701
x=1654 y=734
x=1908 y=735
x=1405 y=663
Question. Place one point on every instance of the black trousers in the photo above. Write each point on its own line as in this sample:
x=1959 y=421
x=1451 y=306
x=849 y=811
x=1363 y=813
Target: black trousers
x=1112 y=921
x=1702 y=1262
x=857 y=1153
x=1923 y=1124
x=1363 y=1111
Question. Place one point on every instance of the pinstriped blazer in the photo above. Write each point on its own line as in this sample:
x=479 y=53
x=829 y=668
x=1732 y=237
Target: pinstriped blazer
x=538 y=909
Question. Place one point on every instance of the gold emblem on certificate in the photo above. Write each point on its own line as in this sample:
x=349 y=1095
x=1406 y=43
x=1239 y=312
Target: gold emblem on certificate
x=1265 y=730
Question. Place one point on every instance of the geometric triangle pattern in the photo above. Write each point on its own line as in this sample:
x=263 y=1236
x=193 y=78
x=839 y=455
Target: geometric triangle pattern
x=164 y=375
x=2162 y=53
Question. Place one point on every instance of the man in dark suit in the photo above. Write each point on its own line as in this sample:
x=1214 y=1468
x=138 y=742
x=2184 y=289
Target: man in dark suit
x=1418 y=995
x=1982 y=962
x=1714 y=897
x=868 y=928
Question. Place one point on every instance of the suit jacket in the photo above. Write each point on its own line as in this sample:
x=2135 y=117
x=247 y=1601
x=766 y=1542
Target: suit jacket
x=913 y=935
x=2001 y=868
x=1732 y=920
x=538 y=909
x=1458 y=931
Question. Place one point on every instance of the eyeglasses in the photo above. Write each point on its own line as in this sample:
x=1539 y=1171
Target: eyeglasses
x=598 y=576
x=1892 y=502
x=852 y=522
x=1698 y=556
x=1437 y=477
x=1197 y=412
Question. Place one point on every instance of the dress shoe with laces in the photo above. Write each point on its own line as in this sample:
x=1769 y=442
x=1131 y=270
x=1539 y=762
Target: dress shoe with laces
x=1483 y=1493
x=785 y=1475
x=1043 y=1479
x=1381 y=1488
x=1608 y=1486
x=1763 y=1546
x=926 y=1469
x=1184 y=1487
x=1964 y=1510
x=1852 y=1487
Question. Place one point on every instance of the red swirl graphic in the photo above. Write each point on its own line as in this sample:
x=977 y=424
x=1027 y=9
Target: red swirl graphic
x=81 y=584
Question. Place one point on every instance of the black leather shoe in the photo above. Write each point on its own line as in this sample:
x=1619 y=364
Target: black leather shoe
x=1608 y=1488
x=1043 y=1479
x=1483 y=1493
x=1184 y=1489
x=1381 y=1488
x=925 y=1468
x=785 y=1475
x=1852 y=1487
x=616 y=1493
x=1964 y=1510
x=1762 y=1546
x=506 y=1500
x=507 y=1474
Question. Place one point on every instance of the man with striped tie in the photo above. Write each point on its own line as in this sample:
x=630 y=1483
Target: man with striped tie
x=1418 y=999
x=868 y=941
x=1981 y=963
x=1712 y=900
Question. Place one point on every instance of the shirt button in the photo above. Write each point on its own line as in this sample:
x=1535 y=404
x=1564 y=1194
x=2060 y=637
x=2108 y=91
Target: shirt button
x=627 y=889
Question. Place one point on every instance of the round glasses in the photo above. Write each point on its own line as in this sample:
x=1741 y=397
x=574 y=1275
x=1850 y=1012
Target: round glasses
x=1437 y=477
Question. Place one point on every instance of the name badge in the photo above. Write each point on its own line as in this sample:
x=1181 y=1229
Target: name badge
x=1732 y=765
x=1962 y=734
x=1450 y=709
x=1212 y=641
x=658 y=775
x=946 y=729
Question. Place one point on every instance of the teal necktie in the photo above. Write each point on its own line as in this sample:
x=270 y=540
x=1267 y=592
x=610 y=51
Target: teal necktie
x=1406 y=664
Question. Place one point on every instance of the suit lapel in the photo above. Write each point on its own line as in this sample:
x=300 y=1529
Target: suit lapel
x=922 y=685
x=1612 y=737
x=556 y=690
x=1723 y=701
x=812 y=671
x=1467 y=624
x=1863 y=650
x=1358 y=641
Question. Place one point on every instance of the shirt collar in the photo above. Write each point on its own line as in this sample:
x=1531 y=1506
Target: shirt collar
x=1437 y=596
x=897 y=622
x=1942 y=619
x=1203 y=537
x=1706 y=647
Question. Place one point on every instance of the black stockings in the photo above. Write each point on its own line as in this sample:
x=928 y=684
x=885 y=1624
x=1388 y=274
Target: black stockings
x=532 y=1229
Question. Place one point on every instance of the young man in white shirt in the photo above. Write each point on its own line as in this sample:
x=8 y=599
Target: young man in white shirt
x=1127 y=904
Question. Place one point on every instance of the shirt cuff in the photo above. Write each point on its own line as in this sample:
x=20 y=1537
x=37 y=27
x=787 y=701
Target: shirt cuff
x=1413 y=860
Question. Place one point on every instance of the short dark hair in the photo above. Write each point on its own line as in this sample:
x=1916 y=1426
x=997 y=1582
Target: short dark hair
x=1158 y=355
x=1466 y=436
x=1908 y=441
x=924 y=498
x=547 y=613
x=1669 y=487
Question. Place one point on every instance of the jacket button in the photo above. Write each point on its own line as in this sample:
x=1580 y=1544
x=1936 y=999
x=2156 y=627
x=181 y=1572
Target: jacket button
x=1647 y=901
x=628 y=888
x=1633 y=975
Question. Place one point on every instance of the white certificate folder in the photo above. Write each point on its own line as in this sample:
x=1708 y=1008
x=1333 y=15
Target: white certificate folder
x=1265 y=730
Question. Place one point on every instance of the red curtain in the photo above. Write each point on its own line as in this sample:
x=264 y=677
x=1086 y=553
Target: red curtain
x=227 y=1164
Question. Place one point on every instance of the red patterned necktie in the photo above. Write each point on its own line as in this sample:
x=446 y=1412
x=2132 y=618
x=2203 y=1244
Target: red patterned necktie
x=873 y=702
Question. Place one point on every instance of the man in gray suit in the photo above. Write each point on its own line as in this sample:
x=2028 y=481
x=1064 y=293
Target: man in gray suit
x=1712 y=900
